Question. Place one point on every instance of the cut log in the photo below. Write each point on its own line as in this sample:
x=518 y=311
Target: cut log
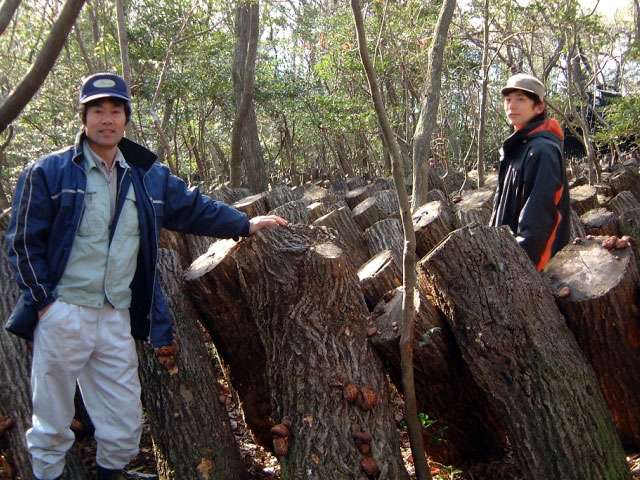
x=381 y=183
x=294 y=211
x=435 y=194
x=464 y=430
x=523 y=356
x=279 y=196
x=583 y=198
x=213 y=283
x=305 y=307
x=623 y=202
x=474 y=207
x=229 y=194
x=15 y=391
x=388 y=200
x=316 y=210
x=602 y=312
x=377 y=207
x=253 y=206
x=576 y=228
x=378 y=276
x=189 y=426
x=349 y=234
x=318 y=194
x=355 y=182
x=600 y=221
x=386 y=234
x=431 y=222
x=356 y=196
x=625 y=179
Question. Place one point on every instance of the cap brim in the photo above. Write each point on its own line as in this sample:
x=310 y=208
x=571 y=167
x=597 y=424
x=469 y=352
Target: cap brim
x=508 y=90
x=104 y=95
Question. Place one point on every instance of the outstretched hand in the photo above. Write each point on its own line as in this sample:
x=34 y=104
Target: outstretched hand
x=265 y=221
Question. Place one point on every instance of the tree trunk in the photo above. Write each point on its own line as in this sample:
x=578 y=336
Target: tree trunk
x=383 y=235
x=15 y=391
x=432 y=222
x=7 y=10
x=349 y=234
x=294 y=284
x=429 y=109
x=35 y=77
x=483 y=93
x=524 y=357
x=378 y=276
x=245 y=146
x=191 y=433
x=464 y=429
x=602 y=312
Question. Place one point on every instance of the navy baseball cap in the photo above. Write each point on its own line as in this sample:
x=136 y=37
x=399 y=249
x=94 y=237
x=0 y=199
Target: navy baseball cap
x=104 y=85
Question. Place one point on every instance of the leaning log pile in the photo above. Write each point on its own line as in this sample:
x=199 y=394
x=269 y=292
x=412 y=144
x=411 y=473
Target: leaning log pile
x=536 y=373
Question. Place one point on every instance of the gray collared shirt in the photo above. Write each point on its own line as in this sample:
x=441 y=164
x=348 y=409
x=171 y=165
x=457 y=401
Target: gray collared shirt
x=93 y=160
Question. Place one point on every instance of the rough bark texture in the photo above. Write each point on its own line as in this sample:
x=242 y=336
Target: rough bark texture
x=191 y=433
x=600 y=221
x=576 y=228
x=304 y=307
x=625 y=179
x=388 y=200
x=318 y=194
x=354 y=197
x=349 y=234
x=15 y=390
x=583 y=198
x=465 y=431
x=253 y=206
x=378 y=276
x=368 y=212
x=316 y=210
x=279 y=196
x=623 y=202
x=474 y=207
x=432 y=222
x=386 y=234
x=215 y=287
x=602 y=312
x=295 y=211
x=523 y=356
x=435 y=194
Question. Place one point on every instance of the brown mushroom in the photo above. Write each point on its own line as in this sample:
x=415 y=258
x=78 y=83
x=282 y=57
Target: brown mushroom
x=281 y=446
x=367 y=398
x=369 y=466
x=350 y=392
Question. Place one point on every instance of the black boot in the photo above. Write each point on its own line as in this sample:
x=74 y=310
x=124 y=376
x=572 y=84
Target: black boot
x=108 y=474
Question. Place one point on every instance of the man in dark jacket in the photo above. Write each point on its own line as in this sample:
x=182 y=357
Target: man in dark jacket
x=83 y=242
x=532 y=197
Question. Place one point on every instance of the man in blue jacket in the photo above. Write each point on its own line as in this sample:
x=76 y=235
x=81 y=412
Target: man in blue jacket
x=83 y=241
x=532 y=197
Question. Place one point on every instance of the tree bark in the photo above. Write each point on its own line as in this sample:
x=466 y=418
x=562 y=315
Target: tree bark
x=602 y=312
x=576 y=228
x=7 y=10
x=378 y=276
x=294 y=211
x=383 y=235
x=369 y=211
x=432 y=222
x=625 y=179
x=46 y=58
x=474 y=207
x=524 y=357
x=464 y=430
x=429 y=109
x=279 y=196
x=483 y=93
x=253 y=206
x=191 y=433
x=288 y=317
x=623 y=202
x=349 y=234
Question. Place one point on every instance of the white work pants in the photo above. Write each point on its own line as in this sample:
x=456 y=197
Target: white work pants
x=94 y=347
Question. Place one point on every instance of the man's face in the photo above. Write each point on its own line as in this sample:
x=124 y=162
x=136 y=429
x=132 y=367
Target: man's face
x=520 y=109
x=105 y=122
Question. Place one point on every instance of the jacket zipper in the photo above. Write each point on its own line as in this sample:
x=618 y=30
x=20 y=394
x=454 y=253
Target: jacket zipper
x=155 y=265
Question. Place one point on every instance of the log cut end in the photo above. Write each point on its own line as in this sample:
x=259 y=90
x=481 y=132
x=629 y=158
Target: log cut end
x=210 y=260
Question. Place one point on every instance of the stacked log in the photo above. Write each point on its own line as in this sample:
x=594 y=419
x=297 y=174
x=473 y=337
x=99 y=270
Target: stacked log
x=316 y=210
x=357 y=195
x=386 y=234
x=373 y=209
x=349 y=234
x=524 y=358
x=473 y=207
x=229 y=194
x=625 y=179
x=189 y=426
x=253 y=206
x=279 y=196
x=435 y=194
x=623 y=202
x=576 y=228
x=319 y=194
x=304 y=307
x=600 y=221
x=431 y=222
x=388 y=200
x=583 y=198
x=378 y=276
x=465 y=430
x=598 y=295
x=294 y=211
